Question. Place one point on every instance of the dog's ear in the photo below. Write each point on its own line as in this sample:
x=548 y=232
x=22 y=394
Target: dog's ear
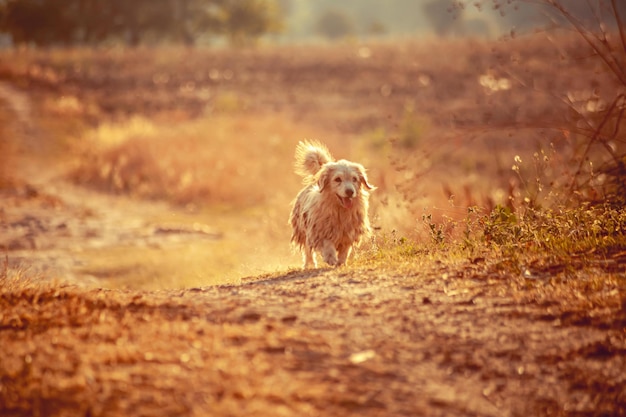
x=324 y=177
x=363 y=177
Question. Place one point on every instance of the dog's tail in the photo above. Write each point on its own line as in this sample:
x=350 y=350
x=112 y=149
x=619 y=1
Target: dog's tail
x=310 y=157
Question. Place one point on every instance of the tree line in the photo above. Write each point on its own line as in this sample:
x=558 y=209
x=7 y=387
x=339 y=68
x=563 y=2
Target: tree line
x=68 y=22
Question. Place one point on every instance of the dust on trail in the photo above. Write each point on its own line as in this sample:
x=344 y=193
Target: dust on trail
x=57 y=229
x=18 y=104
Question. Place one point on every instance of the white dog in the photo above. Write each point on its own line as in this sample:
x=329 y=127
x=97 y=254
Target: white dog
x=329 y=215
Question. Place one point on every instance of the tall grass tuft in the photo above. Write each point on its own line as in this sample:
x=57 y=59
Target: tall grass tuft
x=222 y=159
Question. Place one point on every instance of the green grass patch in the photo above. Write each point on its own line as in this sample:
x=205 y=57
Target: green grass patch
x=576 y=238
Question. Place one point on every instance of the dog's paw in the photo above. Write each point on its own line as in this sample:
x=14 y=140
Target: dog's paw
x=331 y=259
x=329 y=253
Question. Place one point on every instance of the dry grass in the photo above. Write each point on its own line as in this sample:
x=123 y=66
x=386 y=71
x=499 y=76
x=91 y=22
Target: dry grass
x=475 y=249
x=19 y=280
x=455 y=119
x=225 y=159
x=6 y=150
x=477 y=124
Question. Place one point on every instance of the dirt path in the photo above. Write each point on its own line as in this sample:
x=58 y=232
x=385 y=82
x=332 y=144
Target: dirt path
x=60 y=230
x=328 y=342
x=54 y=228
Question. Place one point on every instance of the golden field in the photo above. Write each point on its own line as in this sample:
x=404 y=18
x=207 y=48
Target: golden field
x=440 y=125
x=144 y=197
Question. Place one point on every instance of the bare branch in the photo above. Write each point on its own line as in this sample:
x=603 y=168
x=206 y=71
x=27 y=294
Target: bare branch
x=620 y=24
x=603 y=50
x=597 y=137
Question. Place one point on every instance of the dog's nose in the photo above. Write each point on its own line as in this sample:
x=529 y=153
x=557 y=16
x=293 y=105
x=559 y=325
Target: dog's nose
x=349 y=192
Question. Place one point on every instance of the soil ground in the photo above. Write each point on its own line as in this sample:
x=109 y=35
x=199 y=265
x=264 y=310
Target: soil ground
x=403 y=340
x=460 y=337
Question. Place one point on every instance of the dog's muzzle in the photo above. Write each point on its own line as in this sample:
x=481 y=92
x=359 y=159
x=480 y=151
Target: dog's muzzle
x=346 y=202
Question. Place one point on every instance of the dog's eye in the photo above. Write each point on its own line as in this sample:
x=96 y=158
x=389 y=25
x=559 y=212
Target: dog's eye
x=354 y=179
x=337 y=179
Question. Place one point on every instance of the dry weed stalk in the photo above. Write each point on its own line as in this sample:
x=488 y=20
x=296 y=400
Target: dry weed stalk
x=596 y=120
x=605 y=129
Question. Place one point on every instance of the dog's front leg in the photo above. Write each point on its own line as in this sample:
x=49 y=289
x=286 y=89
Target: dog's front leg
x=309 y=258
x=329 y=253
x=344 y=252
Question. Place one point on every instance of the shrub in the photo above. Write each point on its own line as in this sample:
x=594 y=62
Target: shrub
x=334 y=24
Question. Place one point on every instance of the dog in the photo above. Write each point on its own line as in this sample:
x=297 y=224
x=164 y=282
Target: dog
x=330 y=214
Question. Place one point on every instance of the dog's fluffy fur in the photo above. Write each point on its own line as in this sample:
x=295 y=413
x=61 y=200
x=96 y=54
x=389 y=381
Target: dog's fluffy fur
x=329 y=215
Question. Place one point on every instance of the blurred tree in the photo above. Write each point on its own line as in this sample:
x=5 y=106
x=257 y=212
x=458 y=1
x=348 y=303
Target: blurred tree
x=525 y=15
x=334 y=24
x=440 y=17
x=49 y=22
x=376 y=28
x=365 y=17
x=96 y=21
x=35 y=21
x=245 y=20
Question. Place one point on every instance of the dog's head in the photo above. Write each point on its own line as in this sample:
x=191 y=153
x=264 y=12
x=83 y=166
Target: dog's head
x=345 y=179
